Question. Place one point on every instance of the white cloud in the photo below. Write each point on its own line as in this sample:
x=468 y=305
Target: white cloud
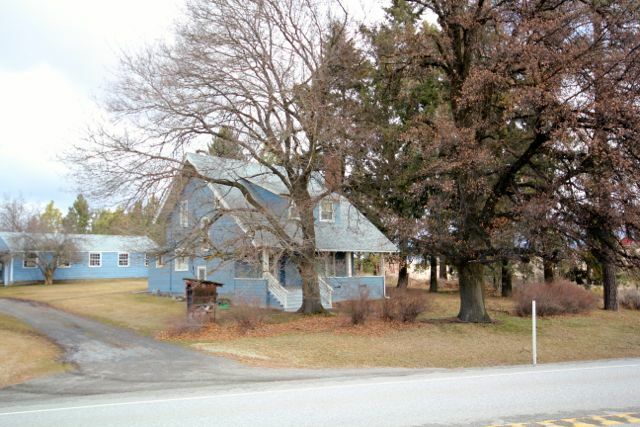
x=42 y=113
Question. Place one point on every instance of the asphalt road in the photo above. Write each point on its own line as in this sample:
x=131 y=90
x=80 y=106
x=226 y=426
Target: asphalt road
x=122 y=379
x=465 y=397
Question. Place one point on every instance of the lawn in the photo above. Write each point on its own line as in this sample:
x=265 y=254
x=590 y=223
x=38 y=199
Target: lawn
x=24 y=353
x=435 y=341
x=117 y=302
x=290 y=340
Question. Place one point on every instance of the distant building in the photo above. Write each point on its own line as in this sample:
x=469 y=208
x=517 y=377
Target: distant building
x=99 y=257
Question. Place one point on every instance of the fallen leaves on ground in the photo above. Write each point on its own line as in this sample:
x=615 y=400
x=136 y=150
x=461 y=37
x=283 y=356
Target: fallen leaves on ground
x=303 y=324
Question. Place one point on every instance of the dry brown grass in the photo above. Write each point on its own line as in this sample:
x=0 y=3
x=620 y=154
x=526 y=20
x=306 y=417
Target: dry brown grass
x=24 y=354
x=436 y=340
x=117 y=302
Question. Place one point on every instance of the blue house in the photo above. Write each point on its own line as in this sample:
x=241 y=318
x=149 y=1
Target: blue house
x=214 y=233
x=98 y=257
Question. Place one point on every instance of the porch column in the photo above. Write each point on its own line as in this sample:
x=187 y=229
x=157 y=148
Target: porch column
x=265 y=261
x=384 y=279
x=349 y=268
x=11 y=270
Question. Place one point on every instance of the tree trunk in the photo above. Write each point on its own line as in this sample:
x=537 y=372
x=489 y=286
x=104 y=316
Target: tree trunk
x=507 y=278
x=48 y=277
x=311 y=301
x=548 y=271
x=610 y=287
x=433 y=276
x=472 y=307
x=403 y=275
x=443 y=268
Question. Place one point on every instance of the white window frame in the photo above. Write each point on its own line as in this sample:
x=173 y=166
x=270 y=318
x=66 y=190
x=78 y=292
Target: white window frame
x=160 y=261
x=146 y=260
x=293 y=213
x=200 y=269
x=35 y=262
x=99 y=259
x=62 y=264
x=182 y=262
x=128 y=259
x=183 y=214
x=320 y=211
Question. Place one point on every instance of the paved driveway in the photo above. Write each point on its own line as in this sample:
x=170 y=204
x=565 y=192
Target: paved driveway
x=108 y=359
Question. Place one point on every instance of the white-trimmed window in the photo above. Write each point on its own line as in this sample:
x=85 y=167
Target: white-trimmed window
x=95 y=259
x=123 y=259
x=184 y=213
x=146 y=260
x=326 y=211
x=293 y=212
x=182 y=263
x=160 y=261
x=30 y=261
x=64 y=263
x=202 y=272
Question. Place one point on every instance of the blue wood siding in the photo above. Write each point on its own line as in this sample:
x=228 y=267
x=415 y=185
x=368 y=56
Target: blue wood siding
x=81 y=270
x=346 y=288
x=167 y=280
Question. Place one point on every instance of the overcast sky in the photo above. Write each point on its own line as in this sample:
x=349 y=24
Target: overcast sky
x=56 y=56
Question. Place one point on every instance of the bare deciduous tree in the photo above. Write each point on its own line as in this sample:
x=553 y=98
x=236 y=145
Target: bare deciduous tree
x=49 y=252
x=266 y=72
x=15 y=215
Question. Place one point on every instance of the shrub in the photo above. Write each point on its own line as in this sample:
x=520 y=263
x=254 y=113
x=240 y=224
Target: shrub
x=629 y=298
x=554 y=298
x=247 y=315
x=359 y=307
x=403 y=306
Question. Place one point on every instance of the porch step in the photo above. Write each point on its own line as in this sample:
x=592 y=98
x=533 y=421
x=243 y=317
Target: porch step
x=294 y=300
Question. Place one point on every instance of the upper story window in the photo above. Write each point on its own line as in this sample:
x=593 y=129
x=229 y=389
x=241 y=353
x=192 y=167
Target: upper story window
x=95 y=259
x=30 y=261
x=184 y=213
x=293 y=212
x=326 y=211
x=160 y=261
x=182 y=263
x=146 y=260
x=123 y=259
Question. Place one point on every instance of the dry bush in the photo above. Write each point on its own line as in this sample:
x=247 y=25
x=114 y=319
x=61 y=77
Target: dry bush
x=184 y=326
x=247 y=314
x=359 y=308
x=629 y=298
x=554 y=298
x=403 y=306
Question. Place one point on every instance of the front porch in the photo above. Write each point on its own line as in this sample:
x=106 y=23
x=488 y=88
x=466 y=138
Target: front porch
x=338 y=278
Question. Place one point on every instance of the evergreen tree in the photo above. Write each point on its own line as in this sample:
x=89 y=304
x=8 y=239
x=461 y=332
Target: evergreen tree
x=51 y=219
x=78 y=217
x=224 y=145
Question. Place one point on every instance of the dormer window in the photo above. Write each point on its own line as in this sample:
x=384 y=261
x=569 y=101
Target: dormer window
x=184 y=214
x=326 y=211
x=293 y=212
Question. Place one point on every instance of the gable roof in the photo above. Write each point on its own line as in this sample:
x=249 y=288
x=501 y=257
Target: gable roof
x=354 y=233
x=13 y=242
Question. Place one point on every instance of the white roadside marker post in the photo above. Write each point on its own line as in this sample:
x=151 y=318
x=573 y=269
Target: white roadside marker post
x=534 y=344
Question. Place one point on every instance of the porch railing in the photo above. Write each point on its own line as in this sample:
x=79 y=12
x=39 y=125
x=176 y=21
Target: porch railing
x=326 y=292
x=278 y=291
